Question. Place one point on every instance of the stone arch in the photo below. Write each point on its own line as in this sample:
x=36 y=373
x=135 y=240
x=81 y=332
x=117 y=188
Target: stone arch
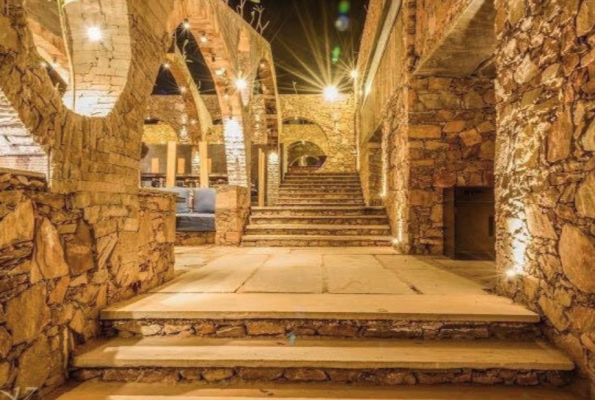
x=266 y=86
x=299 y=155
x=96 y=62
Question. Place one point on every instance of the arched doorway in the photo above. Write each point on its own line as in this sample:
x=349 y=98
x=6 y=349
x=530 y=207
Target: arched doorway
x=305 y=157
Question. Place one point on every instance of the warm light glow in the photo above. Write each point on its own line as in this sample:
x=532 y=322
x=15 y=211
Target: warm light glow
x=166 y=65
x=241 y=84
x=368 y=89
x=395 y=242
x=186 y=24
x=512 y=273
x=203 y=38
x=220 y=72
x=94 y=34
x=183 y=89
x=273 y=157
x=331 y=94
x=353 y=74
x=43 y=64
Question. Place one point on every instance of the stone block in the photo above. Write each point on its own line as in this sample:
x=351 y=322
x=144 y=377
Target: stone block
x=585 y=197
x=425 y=132
x=18 y=226
x=27 y=314
x=577 y=252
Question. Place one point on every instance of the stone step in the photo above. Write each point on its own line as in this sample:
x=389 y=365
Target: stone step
x=314 y=241
x=321 y=181
x=344 y=230
x=320 y=188
x=320 y=202
x=163 y=391
x=324 y=220
x=298 y=194
x=388 y=362
x=321 y=315
x=318 y=211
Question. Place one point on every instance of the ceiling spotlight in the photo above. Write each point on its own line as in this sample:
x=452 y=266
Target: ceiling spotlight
x=331 y=93
x=94 y=34
x=241 y=84
x=186 y=24
x=183 y=89
x=353 y=74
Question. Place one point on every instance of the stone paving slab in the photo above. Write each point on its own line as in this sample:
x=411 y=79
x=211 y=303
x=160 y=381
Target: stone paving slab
x=174 y=352
x=139 y=391
x=485 y=308
x=223 y=275
x=286 y=274
x=361 y=274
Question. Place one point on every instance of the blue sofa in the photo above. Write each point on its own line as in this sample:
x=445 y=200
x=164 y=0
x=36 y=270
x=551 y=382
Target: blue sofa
x=197 y=212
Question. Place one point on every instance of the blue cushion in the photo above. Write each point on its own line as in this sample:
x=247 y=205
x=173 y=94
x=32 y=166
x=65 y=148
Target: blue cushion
x=204 y=201
x=182 y=207
x=195 y=222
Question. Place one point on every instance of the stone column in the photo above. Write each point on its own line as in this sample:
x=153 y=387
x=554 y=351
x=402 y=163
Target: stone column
x=231 y=214
x=170 y=177
x=203 y=148
x=273 y=178
x=261 y=178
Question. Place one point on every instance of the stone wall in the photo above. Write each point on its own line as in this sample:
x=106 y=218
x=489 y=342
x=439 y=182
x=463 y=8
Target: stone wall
x=335 y=120
x=231 y=214
x=452 y=136
x=56 y=274
x=546 y=167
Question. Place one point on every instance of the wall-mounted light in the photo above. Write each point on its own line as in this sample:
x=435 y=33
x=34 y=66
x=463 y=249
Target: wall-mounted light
x=241 y=84
x=353 y=74
x=331 y=94
x=186 y=24
x=166 y=65
x=203 y=38
x=94 y=33
x=183 y=89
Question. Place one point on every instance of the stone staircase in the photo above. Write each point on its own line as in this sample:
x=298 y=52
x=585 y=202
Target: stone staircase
x=318 y=210
x=174 y=346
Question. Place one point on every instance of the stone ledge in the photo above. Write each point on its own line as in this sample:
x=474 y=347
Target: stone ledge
x=375 y=377
x=321 y=328
x=29 y=174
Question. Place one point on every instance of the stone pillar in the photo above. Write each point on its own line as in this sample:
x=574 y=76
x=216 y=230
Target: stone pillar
x=273 y=178
x=231 y=214
x=261 y=178
x=170 y=177
x=235 y=152
x=203 y=148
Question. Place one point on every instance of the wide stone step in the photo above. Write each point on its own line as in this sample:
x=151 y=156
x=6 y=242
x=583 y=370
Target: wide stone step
x=324 y=220
x=160 y=391
x=318 y=211
x=321 y=315
x=320 y=188
x=297 y=194
x=388 y=362
x=319 y=182
x=345 y=230
x=314 y=241
x=320 y=201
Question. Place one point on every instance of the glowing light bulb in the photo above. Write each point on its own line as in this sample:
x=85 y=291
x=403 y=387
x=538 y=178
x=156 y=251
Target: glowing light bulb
x=186 y=24
x=94 y=34
x=353 y=74
x=166 y=65
x=331 y=94
x=395 y=242
x=241 y=84
x=203 y=38
x=183 y=89
x=512 y=273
